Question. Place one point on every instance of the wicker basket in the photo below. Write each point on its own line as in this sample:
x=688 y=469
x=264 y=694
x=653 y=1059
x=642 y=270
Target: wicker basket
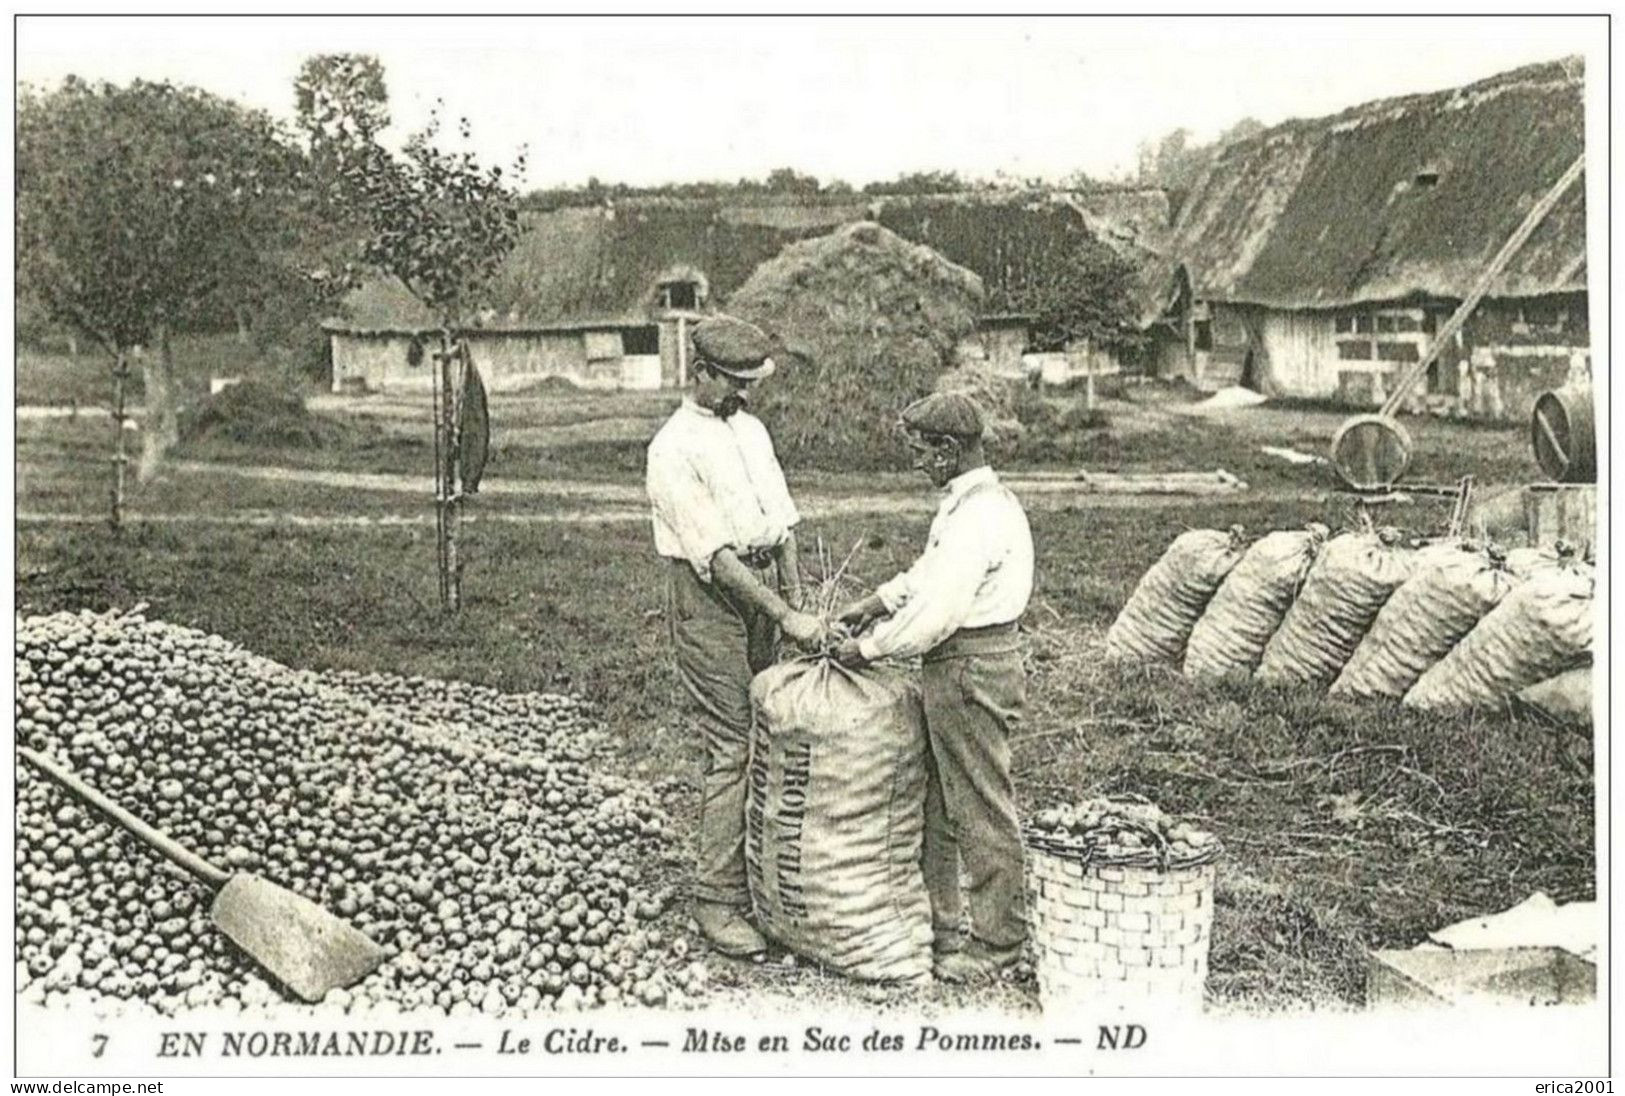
x=1118 y=934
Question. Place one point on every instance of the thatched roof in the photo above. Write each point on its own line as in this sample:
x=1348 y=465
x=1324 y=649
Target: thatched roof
x=1395 y=199
x=994 y=234
x=602 y=265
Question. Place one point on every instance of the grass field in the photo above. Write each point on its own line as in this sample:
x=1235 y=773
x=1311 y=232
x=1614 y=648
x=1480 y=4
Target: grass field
x=54 y=378
x=1347 y=827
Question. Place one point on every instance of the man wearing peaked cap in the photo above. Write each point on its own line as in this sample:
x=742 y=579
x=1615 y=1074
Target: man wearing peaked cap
x=945 y=414
x=957 y=608
x=737 y=348
x=725 y=524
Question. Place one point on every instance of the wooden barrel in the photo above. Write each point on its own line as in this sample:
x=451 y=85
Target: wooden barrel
x=1371 y=452
x=1564 y=434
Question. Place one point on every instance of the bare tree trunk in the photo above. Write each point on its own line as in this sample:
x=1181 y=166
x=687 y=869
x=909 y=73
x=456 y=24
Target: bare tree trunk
x=121 y=373
x=161 y=430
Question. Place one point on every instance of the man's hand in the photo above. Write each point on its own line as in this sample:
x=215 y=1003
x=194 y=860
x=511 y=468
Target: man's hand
x=858 y=613
x=793 y=597
x=805 y=630
x=848 y=653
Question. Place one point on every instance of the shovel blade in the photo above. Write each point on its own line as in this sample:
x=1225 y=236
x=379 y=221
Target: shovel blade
x=302 y=946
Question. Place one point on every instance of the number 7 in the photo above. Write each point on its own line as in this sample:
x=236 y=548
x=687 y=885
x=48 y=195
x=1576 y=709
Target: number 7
x=101 y=1044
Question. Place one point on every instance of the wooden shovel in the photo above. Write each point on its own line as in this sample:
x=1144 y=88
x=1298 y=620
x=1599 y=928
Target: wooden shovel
x=301 y=945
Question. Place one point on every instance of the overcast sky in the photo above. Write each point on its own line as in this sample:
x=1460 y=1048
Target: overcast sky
x=649 y=100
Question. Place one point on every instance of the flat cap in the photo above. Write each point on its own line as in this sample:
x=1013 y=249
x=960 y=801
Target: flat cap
x=950 y=414
x=737 y=348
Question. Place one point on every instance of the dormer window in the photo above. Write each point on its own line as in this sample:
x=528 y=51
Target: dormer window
x=679 y=295
x=1427 y=179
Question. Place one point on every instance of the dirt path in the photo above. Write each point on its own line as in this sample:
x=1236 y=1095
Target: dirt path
x=595 y=503
x=288 y=519
x=1040 y=489
x=411 y=484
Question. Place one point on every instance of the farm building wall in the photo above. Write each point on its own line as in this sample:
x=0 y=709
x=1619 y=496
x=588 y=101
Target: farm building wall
x=506 y=359
x=1507 y=353
x=1517 y=349
x=998 y=348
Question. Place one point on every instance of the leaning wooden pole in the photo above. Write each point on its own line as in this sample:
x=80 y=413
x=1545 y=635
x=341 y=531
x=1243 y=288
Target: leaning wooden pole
x=1371 y=452
x=119 y=460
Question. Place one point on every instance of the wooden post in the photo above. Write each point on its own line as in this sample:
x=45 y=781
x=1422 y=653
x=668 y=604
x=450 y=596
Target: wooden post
x=121 y=372
x=1088 y=376
x=448 y=487
x=455 y=382
x=438 y=420
x=682 y=352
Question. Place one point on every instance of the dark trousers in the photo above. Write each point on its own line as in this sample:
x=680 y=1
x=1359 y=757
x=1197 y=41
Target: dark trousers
x=720 y=644
x=973 y=695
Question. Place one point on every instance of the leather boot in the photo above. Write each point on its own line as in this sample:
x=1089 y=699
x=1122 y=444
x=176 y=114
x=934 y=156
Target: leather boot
x=726 y=929
x=978 y=962
x=946 y=941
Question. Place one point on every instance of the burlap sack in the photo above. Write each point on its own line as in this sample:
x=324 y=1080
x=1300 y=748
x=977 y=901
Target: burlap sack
x=1352 y=579
x=1565 y=698
x=1539 y=629
x=1525 y=562
x=836 y=817
x=1452 y=585
x=1231 y=634
x=1166 y=604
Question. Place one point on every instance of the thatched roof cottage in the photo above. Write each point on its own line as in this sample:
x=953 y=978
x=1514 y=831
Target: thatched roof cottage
x=601 y=295
x=1317 y=258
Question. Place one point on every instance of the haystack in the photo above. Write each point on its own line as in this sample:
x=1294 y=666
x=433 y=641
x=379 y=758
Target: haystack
x=867 y=322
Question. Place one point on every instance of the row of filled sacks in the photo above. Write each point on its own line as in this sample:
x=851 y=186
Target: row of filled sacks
x=1450 y=624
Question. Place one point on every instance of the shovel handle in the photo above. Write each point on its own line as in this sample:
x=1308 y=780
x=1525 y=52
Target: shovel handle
x=168 y=846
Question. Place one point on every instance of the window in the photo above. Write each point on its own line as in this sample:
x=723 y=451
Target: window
x=602 y=345
x=1204 y=334
x=1364 y=323
x=1355 y=350
x=684 y=295
x=1427 y=179
x=641 y=340
x=1539 y=316
x=1345 y=324
x=1398 y=352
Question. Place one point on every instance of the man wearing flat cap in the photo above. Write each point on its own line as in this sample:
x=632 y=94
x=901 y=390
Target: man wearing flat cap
x=725 y=524
x=957 y=609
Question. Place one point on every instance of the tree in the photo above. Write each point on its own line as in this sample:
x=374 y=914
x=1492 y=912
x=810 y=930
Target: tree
x=1037 y=259
x=144 y=211
x=343 y=105
x=1171 y=161
x=1074 y=290
x=787 y=180
x=920 y=182
x=1176 y=165
x=436 y=220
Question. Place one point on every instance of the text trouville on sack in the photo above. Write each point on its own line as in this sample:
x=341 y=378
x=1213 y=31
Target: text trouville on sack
x=836 y=817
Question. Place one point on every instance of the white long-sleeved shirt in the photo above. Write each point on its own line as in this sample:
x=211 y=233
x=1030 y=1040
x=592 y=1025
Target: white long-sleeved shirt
x=977 y=570
x=715 y=483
